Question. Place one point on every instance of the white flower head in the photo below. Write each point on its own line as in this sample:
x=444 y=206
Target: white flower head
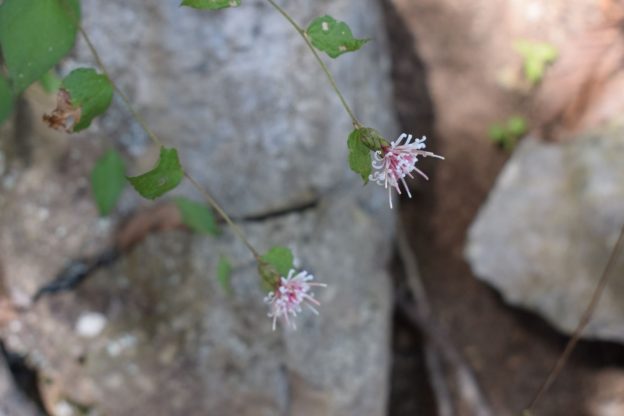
x=394 y=162
x=292 y=292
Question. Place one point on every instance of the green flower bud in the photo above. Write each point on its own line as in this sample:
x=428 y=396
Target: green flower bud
x=371 y=138
x=269 y=275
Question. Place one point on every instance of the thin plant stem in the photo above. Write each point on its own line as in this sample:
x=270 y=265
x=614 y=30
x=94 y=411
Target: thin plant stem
x=328 y=73
x=123 y=95
x=235 y=228
x=576 y=336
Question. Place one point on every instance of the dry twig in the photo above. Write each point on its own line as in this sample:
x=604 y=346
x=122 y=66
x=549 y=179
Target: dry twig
x=576 y=336
x=438 y=341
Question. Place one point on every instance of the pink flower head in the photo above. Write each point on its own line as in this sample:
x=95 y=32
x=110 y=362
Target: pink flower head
x=394 y=162
x=291 y=293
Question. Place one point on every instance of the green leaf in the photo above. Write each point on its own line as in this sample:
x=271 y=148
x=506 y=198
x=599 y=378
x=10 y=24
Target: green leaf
x=497 y=132
x=224 y=272
x=542 y=51
x=35 y=35
x=196 y=216
x=333 y=37
x=89 y=91
x=524 y=47
x=517 y=126
x=165 y=176
x=108 y=181
x=537 y=56
x=506 y=135
x=281 y=258
x=211 y=4
x=6 y=100
x=360 y=160
x=533 y=70
x=50 y=82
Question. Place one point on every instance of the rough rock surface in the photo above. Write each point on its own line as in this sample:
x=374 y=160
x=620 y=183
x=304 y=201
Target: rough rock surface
x=544 y=236
x=172 y=342
x=239 y=95
x=243 y=86
x=12 y=401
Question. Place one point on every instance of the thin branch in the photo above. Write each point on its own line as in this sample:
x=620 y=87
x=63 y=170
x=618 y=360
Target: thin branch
x=444 y=399
x=123 y=96
x=328 y=73
x=576 y=336
x=235 y=228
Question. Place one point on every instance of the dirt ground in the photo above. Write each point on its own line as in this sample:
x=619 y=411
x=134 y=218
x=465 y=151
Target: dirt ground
x=510 y=350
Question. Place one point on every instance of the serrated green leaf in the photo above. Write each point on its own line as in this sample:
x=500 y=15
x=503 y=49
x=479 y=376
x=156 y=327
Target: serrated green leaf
x=34 y=36
x=360 y=160
x=210 y=4
x=196 y=216
x=6 y=100
x=108 y=181
x=281 y=258
x=333 y=37
x=89 y=91
x=50 y=82
x=224 y=273
x=165 y=176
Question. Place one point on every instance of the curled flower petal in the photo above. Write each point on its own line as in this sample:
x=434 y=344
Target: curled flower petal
x=395 y=162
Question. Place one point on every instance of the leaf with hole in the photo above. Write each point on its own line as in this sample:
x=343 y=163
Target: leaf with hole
x=333 y=37
x=90 y=93
x=211 y=4
x=35 y=35
x=108 y=181
x=198 y=217
x=164 y=177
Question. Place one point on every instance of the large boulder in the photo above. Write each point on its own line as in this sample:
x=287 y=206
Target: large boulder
x=544 y=236
x=255 y=121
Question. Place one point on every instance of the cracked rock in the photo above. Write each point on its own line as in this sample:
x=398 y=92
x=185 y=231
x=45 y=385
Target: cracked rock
x=254 y=119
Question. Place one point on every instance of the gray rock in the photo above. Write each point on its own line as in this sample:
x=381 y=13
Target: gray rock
x=254 y=120
x=12 y=401
x=548 y=227
x=243 y=86
x=174 y=343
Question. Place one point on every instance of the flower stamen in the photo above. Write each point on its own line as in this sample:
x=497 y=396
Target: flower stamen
x=394 y=162
x=290 y=294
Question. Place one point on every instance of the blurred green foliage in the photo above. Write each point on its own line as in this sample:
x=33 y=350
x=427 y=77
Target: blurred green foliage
x=506 y=134
x=536 y=58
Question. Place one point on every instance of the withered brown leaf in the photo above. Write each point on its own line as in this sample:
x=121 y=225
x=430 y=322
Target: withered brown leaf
x=65 y=116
